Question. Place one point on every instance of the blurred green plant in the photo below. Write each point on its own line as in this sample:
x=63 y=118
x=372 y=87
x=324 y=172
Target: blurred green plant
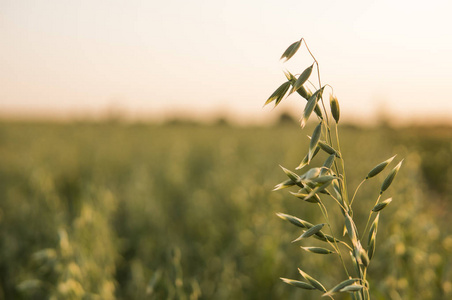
x=317 y=185
x=130 y=196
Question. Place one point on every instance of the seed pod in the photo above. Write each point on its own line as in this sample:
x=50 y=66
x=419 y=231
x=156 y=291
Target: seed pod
x=292 y=176
x=317 y=250
x=305 y=162
x=279 y=93
x=302 y=79
x=318 y=111
x=291 y=50
x=373 y=228
x=371 y=246
x=325 y=237
x=312 y=102
x=284 y=184
x=356 y=265
x=298 y=284
x=315 y=283
x=341 y=285
x=380 y=167
x=328 y=149
x=312 y=173
x=352 y=288
x=350 y=228
x=303 y=92
x=295 y=221
x=314 y=141
x=311 y=198
x=311 y=231
x=364 y=257
x=381 y=205
x=387 y=182
x=334 y=105
x=327 y=164
x=324 y=179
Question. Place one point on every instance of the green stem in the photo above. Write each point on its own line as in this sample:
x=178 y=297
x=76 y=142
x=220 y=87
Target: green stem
x=370 y=215
x=344 y=187
x=335 y=246
x=351 y=202
x=335 y=199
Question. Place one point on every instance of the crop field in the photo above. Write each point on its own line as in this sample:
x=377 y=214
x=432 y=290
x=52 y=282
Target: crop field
x=184 y=211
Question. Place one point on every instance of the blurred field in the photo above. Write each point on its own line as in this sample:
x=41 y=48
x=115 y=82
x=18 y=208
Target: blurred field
x=109 y=210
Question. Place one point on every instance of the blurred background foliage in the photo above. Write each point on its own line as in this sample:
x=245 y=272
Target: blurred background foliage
x=184 y=211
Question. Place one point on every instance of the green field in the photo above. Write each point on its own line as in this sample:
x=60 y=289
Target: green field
x=137 y=211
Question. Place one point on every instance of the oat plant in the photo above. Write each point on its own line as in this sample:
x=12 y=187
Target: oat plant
x=325 y=186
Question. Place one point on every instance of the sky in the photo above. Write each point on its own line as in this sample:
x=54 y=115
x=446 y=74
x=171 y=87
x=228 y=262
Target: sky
x=158 y=59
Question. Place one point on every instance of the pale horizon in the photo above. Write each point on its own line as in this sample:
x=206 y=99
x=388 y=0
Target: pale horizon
x=157 y=60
